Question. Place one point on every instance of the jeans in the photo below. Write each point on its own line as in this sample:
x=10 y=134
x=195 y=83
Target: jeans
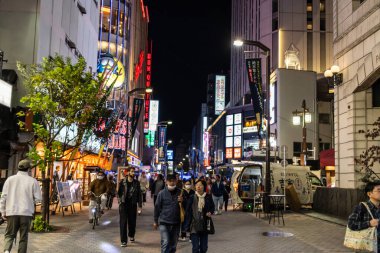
x=199 y=242
x=218 y=202
x=14 y=224
x=93 y=205
x=169 y=238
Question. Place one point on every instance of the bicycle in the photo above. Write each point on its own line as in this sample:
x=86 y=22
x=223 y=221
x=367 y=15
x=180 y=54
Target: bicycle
x=96 y=211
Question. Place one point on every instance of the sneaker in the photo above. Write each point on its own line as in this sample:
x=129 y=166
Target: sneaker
x=123 y=244
x=183 y=239
x=90 y=220
x=7 y=251
x=132 y=239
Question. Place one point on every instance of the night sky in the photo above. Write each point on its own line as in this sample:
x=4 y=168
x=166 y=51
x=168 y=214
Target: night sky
x=191 y=39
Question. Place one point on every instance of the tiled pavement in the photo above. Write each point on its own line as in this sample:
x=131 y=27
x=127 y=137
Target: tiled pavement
x=235 y=232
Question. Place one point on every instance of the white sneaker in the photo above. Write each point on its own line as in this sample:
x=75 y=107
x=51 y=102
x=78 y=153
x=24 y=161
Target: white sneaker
x=7 y=251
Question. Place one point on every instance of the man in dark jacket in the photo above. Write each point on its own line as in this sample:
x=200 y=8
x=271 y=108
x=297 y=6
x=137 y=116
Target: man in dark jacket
x=217 y=191
x=98 y=187
x=167 y=215
x=129 y=196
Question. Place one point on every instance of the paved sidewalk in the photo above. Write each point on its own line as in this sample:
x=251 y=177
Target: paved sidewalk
x=235 y=232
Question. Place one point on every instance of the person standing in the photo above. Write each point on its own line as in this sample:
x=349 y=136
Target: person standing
x=167 y=215
x=129 y=196
x=158 y=185
x=20 y=193
x=217 y=191
x=200 y=208
x=151 y=182
x=360 y=218
x=98 y=187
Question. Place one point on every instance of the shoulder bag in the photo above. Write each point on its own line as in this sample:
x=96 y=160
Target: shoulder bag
x=365 y=239
x=210 y=226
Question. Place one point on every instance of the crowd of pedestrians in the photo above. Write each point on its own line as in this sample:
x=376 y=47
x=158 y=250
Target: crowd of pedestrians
x=182 y=208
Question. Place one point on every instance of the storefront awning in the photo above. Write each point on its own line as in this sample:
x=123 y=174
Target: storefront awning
x=327 y=158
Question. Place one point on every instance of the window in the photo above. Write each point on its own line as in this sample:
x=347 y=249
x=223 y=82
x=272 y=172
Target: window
x=324 y=146
x=376 y=94
x=297 y=148
x=324 y=118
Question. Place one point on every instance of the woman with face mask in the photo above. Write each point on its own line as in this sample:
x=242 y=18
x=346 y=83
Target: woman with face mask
x=187 y=193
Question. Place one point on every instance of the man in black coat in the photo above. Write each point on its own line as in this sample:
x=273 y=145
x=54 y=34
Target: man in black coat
x=129 y=196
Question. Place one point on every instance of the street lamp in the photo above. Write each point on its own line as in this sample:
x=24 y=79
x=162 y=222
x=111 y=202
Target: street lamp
x=337 y=77
x=266 y=50
x=129 y=94
x=304 y=117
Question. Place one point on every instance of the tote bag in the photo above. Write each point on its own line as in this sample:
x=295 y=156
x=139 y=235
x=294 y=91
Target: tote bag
x=365 y=239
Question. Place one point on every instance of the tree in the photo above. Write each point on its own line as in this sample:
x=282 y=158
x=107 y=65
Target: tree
x=68 y=101
x=370 y=156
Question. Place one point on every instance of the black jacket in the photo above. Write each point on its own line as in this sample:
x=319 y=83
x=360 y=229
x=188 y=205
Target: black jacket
x=166 y=209
x=208 y=208
x=135 y=193
x=217 y=191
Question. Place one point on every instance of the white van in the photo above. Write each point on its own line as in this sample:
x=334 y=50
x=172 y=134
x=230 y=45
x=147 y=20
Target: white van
x=248 y=180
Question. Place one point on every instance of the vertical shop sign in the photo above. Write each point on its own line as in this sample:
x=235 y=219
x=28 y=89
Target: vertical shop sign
x=255 y=85
x=220 y=90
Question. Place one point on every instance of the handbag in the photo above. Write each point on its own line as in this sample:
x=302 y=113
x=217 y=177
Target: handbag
x=210 y=229
x=199 y=223
x=365 y=239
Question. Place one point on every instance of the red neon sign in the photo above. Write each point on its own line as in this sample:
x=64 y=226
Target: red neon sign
x=138 y=67
x=142 y=8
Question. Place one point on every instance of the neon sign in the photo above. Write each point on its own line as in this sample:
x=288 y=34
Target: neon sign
x=138 y=67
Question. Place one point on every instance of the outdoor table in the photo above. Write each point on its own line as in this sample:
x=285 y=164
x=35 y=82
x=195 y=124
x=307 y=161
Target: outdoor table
x=277 y=209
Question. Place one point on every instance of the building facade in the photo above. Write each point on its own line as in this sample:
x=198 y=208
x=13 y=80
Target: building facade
x=356 y=100
x=31 y=30
x=284 y=26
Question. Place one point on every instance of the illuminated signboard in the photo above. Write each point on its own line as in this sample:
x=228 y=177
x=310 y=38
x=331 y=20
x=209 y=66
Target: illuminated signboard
x=153 y=114
x=237 y=130
x=237 y=118
x=139 y=65
x=169 y=155
x=105 y=64
x=229 y=130
x=237 y=141
x=229 y=142
x=229 y=153
x=272 y=102
x=150 y=138
x=255 y=85
x=252 y=129
x=146 y=112
x=205 y=147
x=6 y=93
x=220 y=90
x=230 y=119
x=147 y=103
x=205 y=123
x=237 y=152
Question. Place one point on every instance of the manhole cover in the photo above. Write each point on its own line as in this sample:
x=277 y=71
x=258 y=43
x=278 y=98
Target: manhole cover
x=277 y=234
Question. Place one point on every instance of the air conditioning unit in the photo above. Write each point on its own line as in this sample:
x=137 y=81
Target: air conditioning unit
x=111 y=104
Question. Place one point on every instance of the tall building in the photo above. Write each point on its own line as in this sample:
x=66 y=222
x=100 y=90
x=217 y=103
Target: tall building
x=123 y=37
x=357 y=99
x=29 y=31
x=298 y=33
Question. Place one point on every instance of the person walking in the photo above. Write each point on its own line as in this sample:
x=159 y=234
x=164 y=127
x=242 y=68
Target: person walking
x=226 y=193
x=129 y=196
x=158 y=185
x=208 y=185
x=200 y=207
x=144 y=185
x=20 y=193
x=360 y=218
x=187 y=193
x=167 y=215
x=151 y=182
x=217 y=191
x=112 y=191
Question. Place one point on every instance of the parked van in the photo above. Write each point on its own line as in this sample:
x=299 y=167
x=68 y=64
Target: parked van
x=249 y=179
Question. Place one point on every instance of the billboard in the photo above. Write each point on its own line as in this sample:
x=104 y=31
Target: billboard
x=220 y=94
x=153 y=114
x=205 y=148
x=234 y=135
x=170 y=155
x=105 y=64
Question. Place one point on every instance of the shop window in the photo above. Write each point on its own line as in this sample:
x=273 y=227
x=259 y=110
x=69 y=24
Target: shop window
x=376 y=94
x=106 y=19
